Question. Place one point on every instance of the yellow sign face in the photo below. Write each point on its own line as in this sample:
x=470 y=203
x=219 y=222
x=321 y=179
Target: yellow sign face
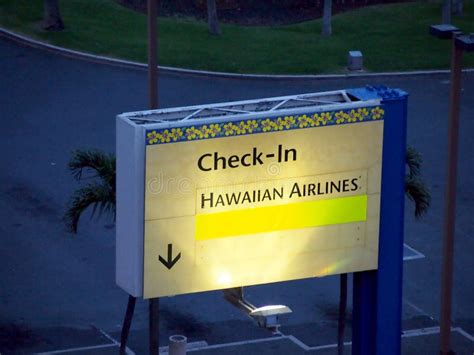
x=248 y=202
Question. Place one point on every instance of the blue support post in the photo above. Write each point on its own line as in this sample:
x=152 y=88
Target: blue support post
x=363 y=313
x=377 y=295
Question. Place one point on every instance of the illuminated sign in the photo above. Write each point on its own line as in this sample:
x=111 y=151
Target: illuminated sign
x=250 y=198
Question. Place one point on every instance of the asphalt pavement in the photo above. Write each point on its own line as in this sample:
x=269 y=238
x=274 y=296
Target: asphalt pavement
x=58 y=291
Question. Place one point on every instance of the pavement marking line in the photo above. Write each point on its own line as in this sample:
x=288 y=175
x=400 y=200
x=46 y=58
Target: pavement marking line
x=420 y=332
x=329 y=346
x=298 y=342
x=418 y=309
x=127 y=349
x=189 y=346
x=405 y=334
x=115 y=343
x=435 y=330
x=77 y=349
x=238 y=343
x=310 y=348
x=464 y=333
x=418 y=255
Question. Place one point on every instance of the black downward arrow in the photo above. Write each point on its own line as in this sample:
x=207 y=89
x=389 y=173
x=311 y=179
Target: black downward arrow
x=170 y=262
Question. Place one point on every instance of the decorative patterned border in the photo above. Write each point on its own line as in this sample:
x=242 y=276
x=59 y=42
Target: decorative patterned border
x=274 y=124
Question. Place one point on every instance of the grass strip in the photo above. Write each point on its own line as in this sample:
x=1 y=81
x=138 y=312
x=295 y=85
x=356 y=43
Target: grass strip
x=391 y=37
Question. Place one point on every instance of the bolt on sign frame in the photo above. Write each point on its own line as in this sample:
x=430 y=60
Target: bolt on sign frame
x=251 y=192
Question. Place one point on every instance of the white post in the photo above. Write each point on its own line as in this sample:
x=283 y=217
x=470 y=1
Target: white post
x=177 y=345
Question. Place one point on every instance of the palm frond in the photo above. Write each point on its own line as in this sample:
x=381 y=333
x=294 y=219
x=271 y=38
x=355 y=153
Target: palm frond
x=101 y=164
x=413 y=161
x=415 y=188
x=95 y=195
x=417 y=192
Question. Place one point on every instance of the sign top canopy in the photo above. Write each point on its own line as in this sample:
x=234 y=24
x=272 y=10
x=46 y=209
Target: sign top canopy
x=248 y=109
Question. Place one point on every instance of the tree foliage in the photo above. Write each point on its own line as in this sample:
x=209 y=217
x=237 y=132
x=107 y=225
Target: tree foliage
x=415 y=188
x=98 y=169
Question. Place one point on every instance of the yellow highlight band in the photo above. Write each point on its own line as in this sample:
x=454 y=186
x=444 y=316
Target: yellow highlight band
x=282 y=217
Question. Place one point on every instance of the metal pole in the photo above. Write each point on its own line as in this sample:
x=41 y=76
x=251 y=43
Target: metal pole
x=341 y=326
x=153 y=103
x=152 y=54
x=154 y=325
x=127 y=322
x=154 y=303
x=450 y=199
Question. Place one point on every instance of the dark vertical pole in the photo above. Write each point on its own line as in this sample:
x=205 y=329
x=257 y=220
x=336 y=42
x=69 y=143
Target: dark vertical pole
x=152 y=54
x=127 y=322
x=341 y=326
x=154 y=325
x=450 y=199
x=364 y=300
x=154 y=303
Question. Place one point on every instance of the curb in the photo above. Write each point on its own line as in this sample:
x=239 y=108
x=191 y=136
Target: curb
x=203 y=73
